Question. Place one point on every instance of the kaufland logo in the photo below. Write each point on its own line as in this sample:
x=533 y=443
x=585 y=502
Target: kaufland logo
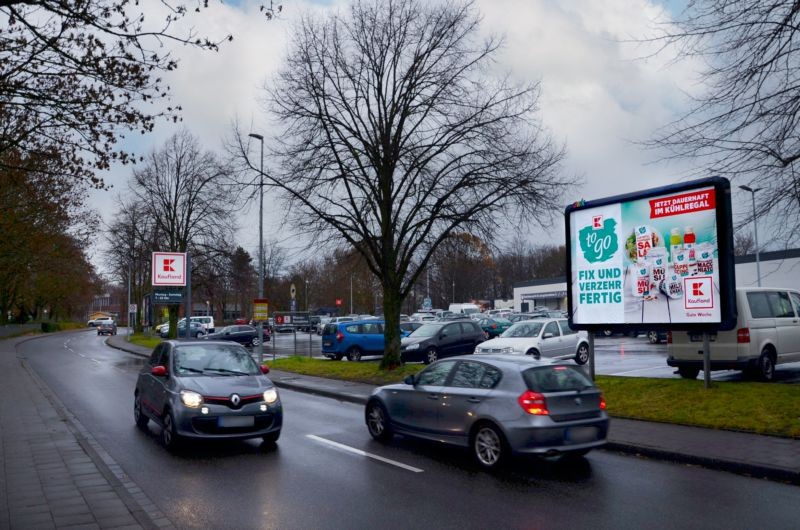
x=169 y=269
x=597 y=221
x=699 y=293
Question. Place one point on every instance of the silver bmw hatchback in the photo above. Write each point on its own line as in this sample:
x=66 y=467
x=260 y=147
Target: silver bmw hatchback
x=205 y=389
x=497 y=405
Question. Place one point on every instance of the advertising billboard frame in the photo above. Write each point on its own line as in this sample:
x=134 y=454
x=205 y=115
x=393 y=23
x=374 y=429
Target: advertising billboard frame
x=726 y=266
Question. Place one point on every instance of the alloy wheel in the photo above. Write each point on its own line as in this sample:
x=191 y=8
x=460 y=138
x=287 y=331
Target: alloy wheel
x=488 y=447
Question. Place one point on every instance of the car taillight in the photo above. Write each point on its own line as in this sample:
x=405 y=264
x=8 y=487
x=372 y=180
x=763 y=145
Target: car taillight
x=533 y=403
x=339 y=336
x=602 y=402
x=669 y=337
x=743 y=335
x=494 y=326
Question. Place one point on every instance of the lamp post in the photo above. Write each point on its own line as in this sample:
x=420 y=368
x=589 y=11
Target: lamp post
x=306 y=296
x=351 y=294
x=755 y=230
x=260 y=348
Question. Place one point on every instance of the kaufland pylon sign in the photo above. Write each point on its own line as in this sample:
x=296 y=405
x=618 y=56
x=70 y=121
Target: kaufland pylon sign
x=169 y=269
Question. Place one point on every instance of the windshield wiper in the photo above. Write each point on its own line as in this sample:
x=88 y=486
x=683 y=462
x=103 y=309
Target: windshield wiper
x=187 y=369
x=226 y=371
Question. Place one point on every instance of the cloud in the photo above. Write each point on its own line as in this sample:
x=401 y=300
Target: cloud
x=598 y=96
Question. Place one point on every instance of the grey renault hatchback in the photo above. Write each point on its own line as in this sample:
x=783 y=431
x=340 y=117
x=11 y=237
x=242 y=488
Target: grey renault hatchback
x=497 y=405
x=205 y=389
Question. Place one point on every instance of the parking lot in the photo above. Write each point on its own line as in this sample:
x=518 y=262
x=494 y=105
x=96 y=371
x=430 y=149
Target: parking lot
x=621 y=356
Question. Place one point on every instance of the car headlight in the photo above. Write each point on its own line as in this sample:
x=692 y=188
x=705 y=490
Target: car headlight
x=191 y=399
x=413 y=346
x=271 y=395
x=507 y=349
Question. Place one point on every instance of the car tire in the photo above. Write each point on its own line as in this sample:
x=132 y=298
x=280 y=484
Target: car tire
x=582 y=355
x=354 y=354
x=378 y=423
x=338 y=357
x=169 y=435
x=272 y=437
x=488 y=446
x=255 y=342
x=652 y=337
x=141 y=419
x=688 y=372
x=533 y=352
x=431 y=355
x=766 y=366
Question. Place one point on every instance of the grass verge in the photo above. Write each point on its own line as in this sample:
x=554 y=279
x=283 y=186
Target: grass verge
x=148 y=341
x=762 y=408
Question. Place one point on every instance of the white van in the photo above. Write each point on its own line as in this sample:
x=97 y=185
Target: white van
x=464 y=309
x=206 y=322
x=767 y=333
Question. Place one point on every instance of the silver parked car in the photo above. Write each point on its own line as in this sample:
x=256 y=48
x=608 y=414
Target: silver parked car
x=497 y=405
x=203 y=389
x=540 y=338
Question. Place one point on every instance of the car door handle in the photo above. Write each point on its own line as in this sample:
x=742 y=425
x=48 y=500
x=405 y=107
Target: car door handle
x=433 y=396
x=474 y=400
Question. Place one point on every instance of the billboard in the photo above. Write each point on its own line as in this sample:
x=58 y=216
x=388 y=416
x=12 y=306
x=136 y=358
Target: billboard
x=657 y=259
x=169 y=269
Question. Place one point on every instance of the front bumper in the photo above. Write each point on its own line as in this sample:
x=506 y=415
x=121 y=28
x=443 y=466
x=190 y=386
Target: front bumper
x=192 y=423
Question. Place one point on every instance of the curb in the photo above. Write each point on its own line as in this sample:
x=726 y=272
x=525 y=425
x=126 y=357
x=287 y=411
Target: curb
x=358 y=400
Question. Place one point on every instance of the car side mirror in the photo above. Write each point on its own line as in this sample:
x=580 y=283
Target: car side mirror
x=264 y=369
x=227 y=332
x=409 y=380
x=548 y=336
x=159 y=371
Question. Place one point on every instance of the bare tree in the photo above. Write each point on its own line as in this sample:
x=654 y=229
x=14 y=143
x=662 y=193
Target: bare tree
x=743 y=244
x=393 y=136
x=746 y=124
x=184 y=191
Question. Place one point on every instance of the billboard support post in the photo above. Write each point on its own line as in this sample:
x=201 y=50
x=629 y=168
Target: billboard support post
x=706 y=359
x=188 y=327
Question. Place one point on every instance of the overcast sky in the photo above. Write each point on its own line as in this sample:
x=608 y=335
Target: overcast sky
x=598 y=95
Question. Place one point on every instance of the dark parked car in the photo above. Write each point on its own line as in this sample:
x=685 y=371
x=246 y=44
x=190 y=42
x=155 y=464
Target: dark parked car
x=495 y=405
x=107 y=327
x=435 y=340
x=245 y=335
x=201 y=389
x=407 y=328
x=493 y=327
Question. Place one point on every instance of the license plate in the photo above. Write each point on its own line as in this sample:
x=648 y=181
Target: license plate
x=237 y=421
x=581 y=434
x=698 y=337
x=326 y=343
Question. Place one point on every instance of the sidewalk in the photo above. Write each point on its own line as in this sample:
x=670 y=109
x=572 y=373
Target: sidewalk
x=743 y=453
x=52 y=472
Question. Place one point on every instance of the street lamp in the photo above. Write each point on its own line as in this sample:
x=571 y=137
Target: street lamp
x=260 y=348
x=755 y=230
x=306 y=296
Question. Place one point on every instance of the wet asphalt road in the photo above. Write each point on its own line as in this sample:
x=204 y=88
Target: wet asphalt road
x=309 y=482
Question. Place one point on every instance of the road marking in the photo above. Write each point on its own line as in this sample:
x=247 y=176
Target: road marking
x=659 y=367
x=363 y=453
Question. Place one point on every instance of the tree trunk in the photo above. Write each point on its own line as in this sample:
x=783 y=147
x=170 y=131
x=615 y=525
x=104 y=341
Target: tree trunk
x=173 y=321
x=392 y=303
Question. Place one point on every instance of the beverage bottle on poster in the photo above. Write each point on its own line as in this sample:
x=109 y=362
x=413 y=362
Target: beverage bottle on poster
x=675 y=244
x=689 y=240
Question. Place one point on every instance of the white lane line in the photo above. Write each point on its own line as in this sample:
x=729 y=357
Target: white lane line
x=659 y=367
x=363 y=453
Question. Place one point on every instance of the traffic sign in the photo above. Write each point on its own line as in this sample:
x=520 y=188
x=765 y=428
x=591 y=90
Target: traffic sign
x=260 y=309
x=131 y=308
x=338 y=302
x=426 y=304
x=292 y=291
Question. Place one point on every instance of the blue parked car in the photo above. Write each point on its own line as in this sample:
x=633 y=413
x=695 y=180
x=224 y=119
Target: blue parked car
x=353 y=339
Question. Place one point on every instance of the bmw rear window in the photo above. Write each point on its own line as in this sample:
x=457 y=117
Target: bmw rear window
x=557 y=378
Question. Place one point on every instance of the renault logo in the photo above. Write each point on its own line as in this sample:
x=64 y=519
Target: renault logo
x=235 y=399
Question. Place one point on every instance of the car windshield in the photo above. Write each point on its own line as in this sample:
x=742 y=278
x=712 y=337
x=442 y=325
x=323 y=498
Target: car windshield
x=426 y=330
x=523 y=329
x=213 y=359
x=557 y=378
